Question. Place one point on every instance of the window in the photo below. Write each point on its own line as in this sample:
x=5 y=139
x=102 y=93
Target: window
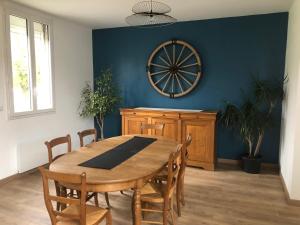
x=30 y=66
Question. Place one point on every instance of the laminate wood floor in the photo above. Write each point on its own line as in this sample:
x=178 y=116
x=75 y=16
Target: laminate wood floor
x=223 y=197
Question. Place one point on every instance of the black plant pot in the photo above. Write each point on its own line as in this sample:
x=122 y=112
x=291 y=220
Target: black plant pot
x=251 y=165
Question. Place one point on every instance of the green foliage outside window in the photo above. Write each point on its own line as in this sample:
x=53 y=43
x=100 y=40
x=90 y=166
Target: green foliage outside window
x=21 y=77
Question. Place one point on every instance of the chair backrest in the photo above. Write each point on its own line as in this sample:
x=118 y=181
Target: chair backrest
x=173 y=171
x=75 y=180
x=155 y=127
x=58 y=141
x=185 y=155
x=85 y=133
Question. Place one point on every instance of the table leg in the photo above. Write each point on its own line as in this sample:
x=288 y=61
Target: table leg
x=63 y=193
x=137 y=218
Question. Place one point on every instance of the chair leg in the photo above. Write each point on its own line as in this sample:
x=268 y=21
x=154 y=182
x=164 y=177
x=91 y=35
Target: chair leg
x=108 y=218
x=71 y=193
x=132 y=208
x=143 y=212
x=58 y=206
x=172 y=211
x=57 y=188
x=63 y=193
x=178 y=199
x=182 y=192
x=165 y=217
x=96 y=199
x=166 y=207
x=78 y=193
x=107 y=199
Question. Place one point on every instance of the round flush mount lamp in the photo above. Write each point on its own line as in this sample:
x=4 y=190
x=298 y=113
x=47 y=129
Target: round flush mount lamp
x=150 y=13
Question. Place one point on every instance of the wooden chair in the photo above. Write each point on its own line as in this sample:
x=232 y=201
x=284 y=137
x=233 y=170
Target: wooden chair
x=55 y=142
x=180 y=184
x=82 y=135
x=60 y=188
x=155 y=127
x=85 y=133
x=77 y=212
x=162 y=193
x=162 y=176
x=158 y=128
x=50 y=145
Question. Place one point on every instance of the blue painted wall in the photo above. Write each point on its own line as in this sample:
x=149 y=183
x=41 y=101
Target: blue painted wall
x=232 y=51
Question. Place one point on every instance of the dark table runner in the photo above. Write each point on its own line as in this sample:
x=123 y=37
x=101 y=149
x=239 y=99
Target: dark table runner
x=119 y=154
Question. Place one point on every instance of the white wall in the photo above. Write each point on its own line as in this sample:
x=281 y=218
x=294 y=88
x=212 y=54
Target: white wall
x=73 y=67
x=290 y=141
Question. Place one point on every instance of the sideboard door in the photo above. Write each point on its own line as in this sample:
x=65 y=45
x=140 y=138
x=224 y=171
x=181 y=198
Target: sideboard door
x=132 y=125
x=170 y=128
x=201 y=151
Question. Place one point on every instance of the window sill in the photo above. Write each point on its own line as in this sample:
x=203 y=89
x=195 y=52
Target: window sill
x=31 y=114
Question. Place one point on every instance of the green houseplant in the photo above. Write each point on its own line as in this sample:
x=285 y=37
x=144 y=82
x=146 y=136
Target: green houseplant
x=101 y=100
x=252 y=118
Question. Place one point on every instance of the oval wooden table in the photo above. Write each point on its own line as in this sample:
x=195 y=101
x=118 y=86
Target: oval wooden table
x=133 y=173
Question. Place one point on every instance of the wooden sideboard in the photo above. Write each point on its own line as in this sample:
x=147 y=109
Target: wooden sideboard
x=178 y=123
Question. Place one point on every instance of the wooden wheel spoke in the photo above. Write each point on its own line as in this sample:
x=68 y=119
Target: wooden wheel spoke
x=162 y=59
x=174 y=51
x=185 y=59
x=187 y=81
x=158 y=65
x=173 y=83
x=189 y=73
x=190 y=65
x=179 y=83
x=157 y=82
x=166 y=82
x=167 y=54
x=183 y=47
x=159 y=72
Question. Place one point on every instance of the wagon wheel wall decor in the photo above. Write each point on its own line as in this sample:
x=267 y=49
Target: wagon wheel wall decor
x=174 y=68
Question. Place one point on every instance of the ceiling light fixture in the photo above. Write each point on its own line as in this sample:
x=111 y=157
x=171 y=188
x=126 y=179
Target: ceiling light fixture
x=150 y=13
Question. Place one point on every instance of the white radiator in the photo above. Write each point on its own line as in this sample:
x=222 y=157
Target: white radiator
x=32 y=154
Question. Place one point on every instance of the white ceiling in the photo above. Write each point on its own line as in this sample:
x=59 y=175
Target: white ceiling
x=111 y=13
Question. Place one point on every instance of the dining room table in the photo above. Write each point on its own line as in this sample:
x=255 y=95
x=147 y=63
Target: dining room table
x=132 y=173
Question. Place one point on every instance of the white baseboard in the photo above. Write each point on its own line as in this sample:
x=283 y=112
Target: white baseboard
x=287 y=195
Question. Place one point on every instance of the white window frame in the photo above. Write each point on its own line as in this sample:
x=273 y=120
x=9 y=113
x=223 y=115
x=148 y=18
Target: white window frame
x=31 y=17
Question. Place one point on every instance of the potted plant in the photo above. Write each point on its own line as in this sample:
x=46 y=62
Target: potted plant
x=252 y=118
x=101 y=100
